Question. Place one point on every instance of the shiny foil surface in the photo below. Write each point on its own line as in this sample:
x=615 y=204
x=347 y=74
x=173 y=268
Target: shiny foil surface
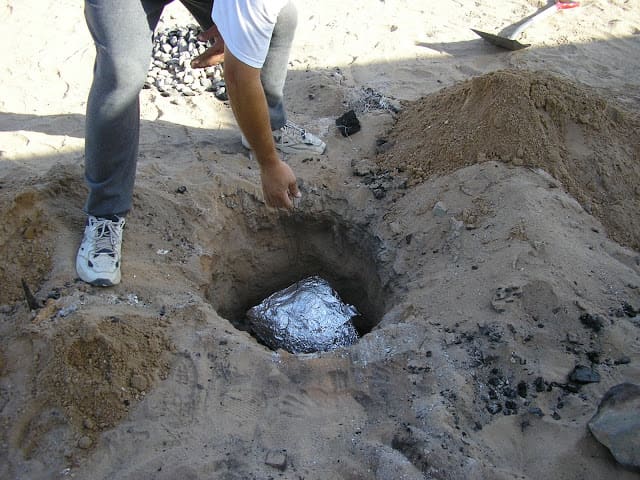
x=305 y=317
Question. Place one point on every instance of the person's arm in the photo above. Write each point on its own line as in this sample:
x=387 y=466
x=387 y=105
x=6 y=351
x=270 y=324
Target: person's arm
x=249 y=106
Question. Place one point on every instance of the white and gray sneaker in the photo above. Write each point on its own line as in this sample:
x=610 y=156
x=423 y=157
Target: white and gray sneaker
x=98 y=260
x=294 y=139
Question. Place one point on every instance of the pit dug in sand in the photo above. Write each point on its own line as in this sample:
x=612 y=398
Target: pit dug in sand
x=334 y=253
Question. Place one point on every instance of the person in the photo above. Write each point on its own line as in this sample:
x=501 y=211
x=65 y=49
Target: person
x=253 y=37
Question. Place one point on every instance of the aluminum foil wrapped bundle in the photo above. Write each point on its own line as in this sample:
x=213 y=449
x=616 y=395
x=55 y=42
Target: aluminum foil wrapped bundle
x=306 y=317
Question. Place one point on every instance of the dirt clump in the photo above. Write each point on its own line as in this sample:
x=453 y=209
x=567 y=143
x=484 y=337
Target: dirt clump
x=532 y=119
x=101 y=368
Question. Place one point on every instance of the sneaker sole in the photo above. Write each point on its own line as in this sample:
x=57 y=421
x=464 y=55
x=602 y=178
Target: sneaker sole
x=306 y=149
x=99 y=282
x=102 y=282
x=309 y=148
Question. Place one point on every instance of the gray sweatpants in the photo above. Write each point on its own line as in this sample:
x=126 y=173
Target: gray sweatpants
x=122 y=32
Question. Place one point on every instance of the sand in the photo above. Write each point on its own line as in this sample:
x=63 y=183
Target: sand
x=486 y=211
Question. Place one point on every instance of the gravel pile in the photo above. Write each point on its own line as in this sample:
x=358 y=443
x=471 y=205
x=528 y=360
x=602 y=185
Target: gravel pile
x=170 y=71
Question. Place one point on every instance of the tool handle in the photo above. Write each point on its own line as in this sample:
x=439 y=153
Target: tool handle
x=545 y=12
x=566 y=5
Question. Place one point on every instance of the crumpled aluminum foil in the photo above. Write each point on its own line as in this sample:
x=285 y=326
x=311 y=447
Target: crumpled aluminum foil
x=305 y=317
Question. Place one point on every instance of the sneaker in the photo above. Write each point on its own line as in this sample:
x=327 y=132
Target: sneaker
x=294 y=139
x=98 y=260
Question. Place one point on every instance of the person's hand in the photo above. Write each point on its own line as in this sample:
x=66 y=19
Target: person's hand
x=279 y=185
x=212 y=55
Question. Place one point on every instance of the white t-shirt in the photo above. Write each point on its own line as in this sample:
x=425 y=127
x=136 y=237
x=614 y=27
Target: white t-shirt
x=246 y=27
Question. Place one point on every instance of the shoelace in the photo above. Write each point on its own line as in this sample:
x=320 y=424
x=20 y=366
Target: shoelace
x=107 y=235
x=289 y=127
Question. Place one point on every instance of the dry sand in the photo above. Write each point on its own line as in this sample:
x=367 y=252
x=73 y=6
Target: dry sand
x=473 y=230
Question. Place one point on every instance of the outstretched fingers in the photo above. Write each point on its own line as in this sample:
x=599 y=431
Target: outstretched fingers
x=212 y=55
x=209 y=58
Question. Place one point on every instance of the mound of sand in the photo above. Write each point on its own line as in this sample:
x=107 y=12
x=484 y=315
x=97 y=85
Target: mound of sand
x=101 y=366
x=535 y=119
x=89 y=370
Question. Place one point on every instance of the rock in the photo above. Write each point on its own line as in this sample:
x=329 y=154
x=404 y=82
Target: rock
x=276 y=459
x=628 y=310
x=221 y=94
x=395 y=227
x=85 y=442
x=582 y=374
x=624 y=360
x=509 y=392
x=67 y=310
x=510 y=407
x=183 y=45
x=594 y=322
x=439 y=209
x=537 y=411
x=616 y=424
x=139 y=382
x=572 y=338
x=522 y=389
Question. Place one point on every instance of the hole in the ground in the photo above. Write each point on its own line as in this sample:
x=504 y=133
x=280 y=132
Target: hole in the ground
x=266 y=254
